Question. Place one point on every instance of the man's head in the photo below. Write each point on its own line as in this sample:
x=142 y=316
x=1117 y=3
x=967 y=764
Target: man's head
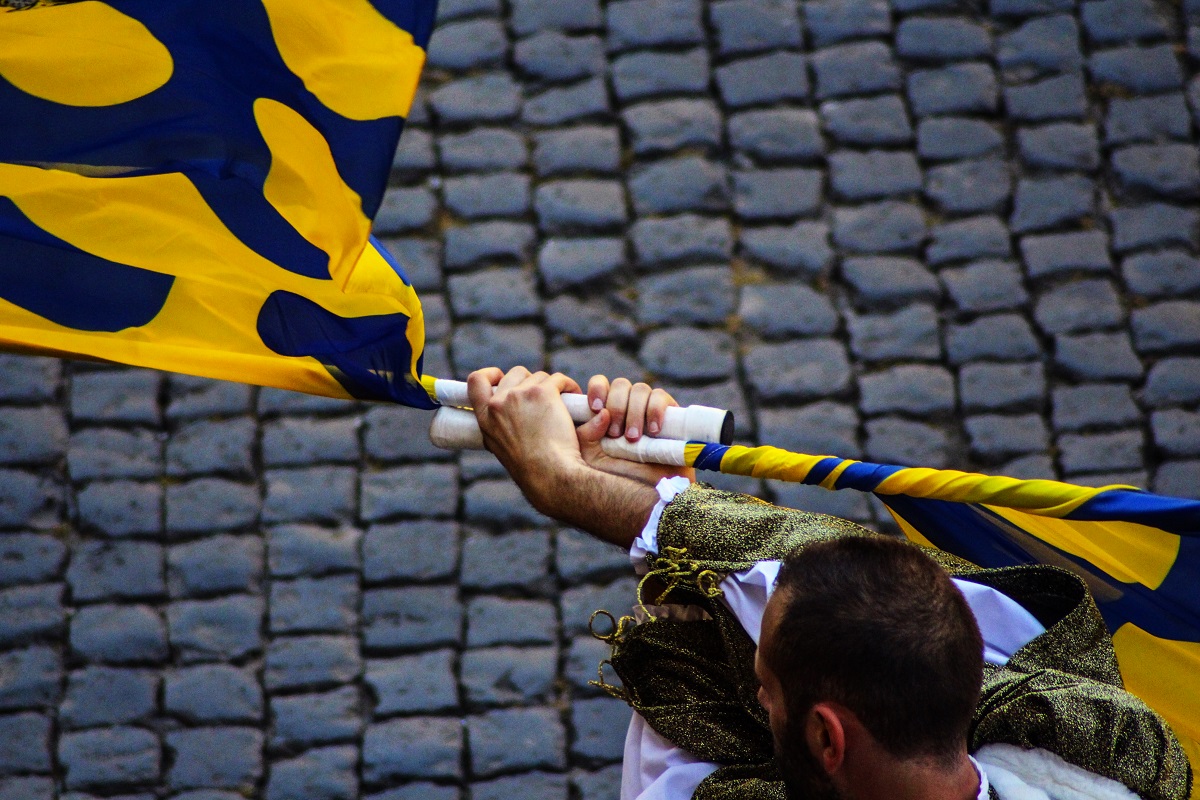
x=871 y=662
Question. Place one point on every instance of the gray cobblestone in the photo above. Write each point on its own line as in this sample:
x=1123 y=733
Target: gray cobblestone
x=882 y=227
x=30 y=557
x=118 y=634
x=1163 y=272
x=414 y=156
x=871 y=175
x=1079 y=306
x=1138 y=69
x=494 y=620
x=637 y=23
x=492 y=98
x=116 y=508
x=802 y=247
x=971 y=186
x=1176 y=431
x=560 y=106
x=890 y=279
x=989 y=387
x=530 y=16
x=317 y=494
x=1173 y=380
x=777 y=134
x=415 y=616
x=1054 y=253
x=1178 y=478
x=400 y=551
x=213 y=693
x=1047 y=202
x=325 y=773
x=753 y=25
x=221 y=563
x=115 y=756
x=553 y=56
x=957 y=137
x=30 y=678
x=432 y=748
x=405 y=209
x=464 y=45
x=104 y=570
x=218 y=758
x=911 y=332
x=974 y=237
x=582 y=149
x=1044 y=43
x=421 y=259
x=915 y=389
x=871 y=121
x=857 y=68
x=128 y=396
x=30 y=787
x=319 y=718
x=1003 y=337
x=647 y=73
x=598 y=723
x=221 y=629
x=113 y=453
x=314 y=605
x=684 y=237
x=763 y=79
x=787 y=309
x=1062 y=145
x=682 y=184
x=1094 y=405
x=108 y=696
x=997 y=435
x=423 y=682
x=799 y=370
x=29 y=379
x=500 y=502
x=1097 y=356
x=1171 y=170
x=27 y=612
x=823 y=427
x=957 y=89
x=898 y=441
x=671 y=124
x=311 y=661
x=1166 y=326
x=1100 y=452
x=208 y=504
x=1058 y=97
x=1146 y=119
x=1153 y=224
x=509 y=675
x=832 y=21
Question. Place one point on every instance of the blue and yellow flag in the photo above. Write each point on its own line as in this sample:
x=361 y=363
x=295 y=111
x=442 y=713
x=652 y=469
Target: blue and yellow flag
x=190 y=186
x=1138 y=552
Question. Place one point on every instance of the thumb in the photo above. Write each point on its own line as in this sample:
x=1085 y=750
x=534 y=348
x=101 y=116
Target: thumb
x=592 y=431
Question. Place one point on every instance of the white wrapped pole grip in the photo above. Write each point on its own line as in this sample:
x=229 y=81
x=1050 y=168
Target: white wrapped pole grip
x=689 y=424
x=457 y=429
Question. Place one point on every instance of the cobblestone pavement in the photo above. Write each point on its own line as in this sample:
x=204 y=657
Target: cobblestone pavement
x=917 y=233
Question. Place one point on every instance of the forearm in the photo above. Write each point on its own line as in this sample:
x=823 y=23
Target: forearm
x=610 y=507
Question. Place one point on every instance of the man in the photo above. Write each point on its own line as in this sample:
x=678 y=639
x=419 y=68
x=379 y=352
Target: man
x=775 y=653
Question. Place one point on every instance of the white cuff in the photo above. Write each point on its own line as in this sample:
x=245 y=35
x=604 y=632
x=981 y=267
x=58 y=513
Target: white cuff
x=647 y=540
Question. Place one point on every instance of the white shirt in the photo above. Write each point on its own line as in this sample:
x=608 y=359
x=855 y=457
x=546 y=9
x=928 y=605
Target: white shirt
x=655 y=769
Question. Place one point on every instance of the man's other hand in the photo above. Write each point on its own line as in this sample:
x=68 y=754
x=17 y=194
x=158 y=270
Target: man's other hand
x=629 y=409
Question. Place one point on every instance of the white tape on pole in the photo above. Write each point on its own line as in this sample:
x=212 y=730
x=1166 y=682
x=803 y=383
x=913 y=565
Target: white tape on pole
x=646 y=450
x=690 y=423
x=457 y=429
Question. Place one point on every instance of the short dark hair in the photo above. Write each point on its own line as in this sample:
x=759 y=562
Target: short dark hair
x=873 y=624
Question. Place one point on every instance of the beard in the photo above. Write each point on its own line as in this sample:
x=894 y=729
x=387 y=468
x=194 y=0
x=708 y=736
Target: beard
x=803 y=776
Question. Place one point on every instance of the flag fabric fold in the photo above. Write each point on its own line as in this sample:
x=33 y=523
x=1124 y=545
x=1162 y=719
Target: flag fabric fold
x=190 y=186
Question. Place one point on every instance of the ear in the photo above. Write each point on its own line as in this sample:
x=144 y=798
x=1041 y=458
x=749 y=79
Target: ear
x=826 y=736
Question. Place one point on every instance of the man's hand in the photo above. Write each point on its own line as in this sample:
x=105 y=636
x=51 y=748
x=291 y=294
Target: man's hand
x=626 y=408
x=561 y=471
x=526 y=425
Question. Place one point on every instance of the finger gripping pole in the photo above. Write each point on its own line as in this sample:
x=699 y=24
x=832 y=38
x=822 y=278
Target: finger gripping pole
x=690 y=423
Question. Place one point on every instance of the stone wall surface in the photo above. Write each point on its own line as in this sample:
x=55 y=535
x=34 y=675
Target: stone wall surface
x=921 y=232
